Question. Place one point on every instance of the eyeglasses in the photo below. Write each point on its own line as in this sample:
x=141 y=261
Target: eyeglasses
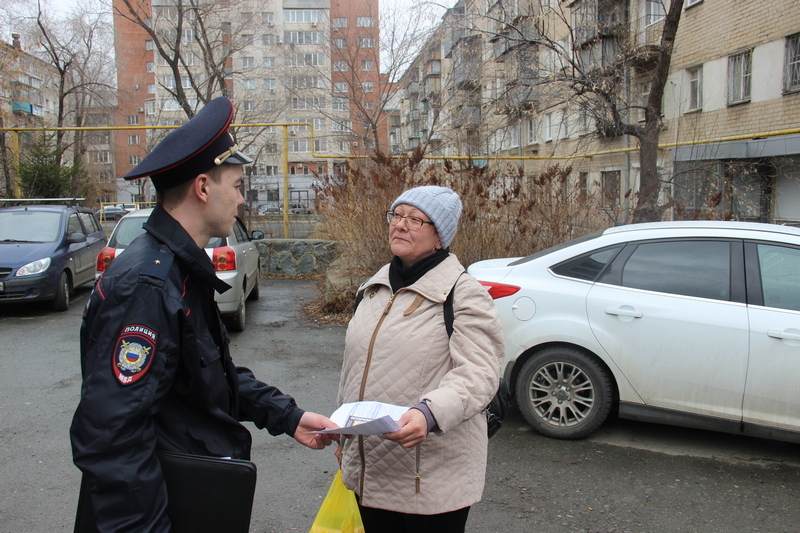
x=412 y=223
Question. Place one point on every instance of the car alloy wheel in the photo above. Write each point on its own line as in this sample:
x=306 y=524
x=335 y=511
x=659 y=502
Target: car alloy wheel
x=63 y=290
x=564 y=393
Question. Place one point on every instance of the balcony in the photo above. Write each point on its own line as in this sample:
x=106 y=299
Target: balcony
x=466 y=116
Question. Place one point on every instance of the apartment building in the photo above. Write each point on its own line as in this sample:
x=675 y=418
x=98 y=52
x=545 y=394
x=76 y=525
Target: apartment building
x=534 y=83
x=28 y=97
x=313 y=63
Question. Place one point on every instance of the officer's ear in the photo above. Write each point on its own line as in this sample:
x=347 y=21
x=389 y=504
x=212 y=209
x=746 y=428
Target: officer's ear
x=200 y=187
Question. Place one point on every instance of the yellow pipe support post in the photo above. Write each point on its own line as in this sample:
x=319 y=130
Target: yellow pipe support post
x=15 y=148
x=285 y=182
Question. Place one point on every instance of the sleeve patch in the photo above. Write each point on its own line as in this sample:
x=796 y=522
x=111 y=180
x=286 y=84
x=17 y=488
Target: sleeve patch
x=133 y=353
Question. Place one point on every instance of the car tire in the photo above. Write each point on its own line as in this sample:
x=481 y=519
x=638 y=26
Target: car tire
x=63 y=292
x=255 y=294
x=237 y=320
x=564 y=393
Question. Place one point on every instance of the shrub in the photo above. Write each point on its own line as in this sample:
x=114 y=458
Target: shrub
x=505 y=214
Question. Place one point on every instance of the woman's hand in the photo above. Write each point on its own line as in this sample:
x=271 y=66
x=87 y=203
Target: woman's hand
x=413 y=429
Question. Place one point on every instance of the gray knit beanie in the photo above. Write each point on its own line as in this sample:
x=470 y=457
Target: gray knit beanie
x=442 y=205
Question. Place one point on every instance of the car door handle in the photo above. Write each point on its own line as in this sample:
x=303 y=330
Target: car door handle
x=775 y=334
x=624 y=312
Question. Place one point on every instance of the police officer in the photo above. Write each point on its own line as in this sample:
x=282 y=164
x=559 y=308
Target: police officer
x=157 y=374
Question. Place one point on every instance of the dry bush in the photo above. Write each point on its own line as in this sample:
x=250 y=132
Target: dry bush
x=506 y=214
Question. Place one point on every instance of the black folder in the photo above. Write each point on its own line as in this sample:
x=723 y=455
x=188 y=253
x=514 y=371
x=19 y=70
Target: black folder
x=205 y=494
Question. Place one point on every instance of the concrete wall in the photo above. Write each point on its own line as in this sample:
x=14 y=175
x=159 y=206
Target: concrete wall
x=295 y=257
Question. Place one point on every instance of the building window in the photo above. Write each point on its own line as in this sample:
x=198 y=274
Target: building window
x=133 y=120
x=340 y=87
x=340 y=104
x=583 y=186
x=133 y=140
x=268 y=38
x=247 y=39
x=150 y=66
x=548 y=127
x=695 y=88
x=248 y=84
x=269 y=84
x=268 y=18
x=365 y=22
x=133 y=160
x=339 y=22
x=739 y=70
x=366 y=42
x=148 y=45
x=792 y=75
x=100 y=156
x=610 y=184
x=653 y=11
x=269 y=62
x=644 y=97
x=340 y=43
x=533 y=131
x=564 y=126
x=248 y=62
x=249 y=105
x=340 y=66
x=367 y=65
x=367 y=86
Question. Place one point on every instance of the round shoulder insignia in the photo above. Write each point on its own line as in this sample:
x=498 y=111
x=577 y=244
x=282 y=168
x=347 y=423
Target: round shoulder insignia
x=133 y=353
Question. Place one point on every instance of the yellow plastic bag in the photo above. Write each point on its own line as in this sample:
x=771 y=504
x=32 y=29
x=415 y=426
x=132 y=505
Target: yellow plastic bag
x=339 y=511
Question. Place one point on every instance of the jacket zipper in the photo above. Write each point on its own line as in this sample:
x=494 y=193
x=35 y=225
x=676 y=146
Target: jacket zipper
x=361 y=452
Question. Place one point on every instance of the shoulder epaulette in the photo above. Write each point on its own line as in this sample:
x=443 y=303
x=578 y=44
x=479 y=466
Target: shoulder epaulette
x=157 y=264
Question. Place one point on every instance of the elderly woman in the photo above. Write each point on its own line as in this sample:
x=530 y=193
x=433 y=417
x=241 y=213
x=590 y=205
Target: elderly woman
x=425 y=476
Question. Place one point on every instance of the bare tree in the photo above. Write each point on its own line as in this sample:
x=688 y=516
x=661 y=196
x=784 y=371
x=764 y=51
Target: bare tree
x=588 y=53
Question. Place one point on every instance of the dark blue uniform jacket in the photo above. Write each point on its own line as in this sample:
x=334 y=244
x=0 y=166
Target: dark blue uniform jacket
x=157 y=375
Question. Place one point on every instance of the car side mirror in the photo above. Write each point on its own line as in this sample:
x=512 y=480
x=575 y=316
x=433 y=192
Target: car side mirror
x=76 y=237
x=257 y=234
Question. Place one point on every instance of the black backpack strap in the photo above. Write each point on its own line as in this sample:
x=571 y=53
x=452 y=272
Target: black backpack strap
x=359 y=297
x=449 y=312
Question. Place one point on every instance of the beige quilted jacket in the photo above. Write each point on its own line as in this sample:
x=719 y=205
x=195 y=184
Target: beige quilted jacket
x=404 y=357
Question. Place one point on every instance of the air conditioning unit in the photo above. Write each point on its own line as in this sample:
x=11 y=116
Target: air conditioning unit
x=355 y=144
x=313 y=24
x=136 y=87
x=140 y=110
x=270 y=24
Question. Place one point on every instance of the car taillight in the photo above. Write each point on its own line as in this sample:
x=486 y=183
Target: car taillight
x=224 y=258
x=499 y=290
x=105 y=257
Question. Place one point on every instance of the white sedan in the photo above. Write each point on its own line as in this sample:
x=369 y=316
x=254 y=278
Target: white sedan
x=694 y=324
x=236 y=261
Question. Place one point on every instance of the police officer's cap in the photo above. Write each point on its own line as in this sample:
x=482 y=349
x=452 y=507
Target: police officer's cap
x=196 y=147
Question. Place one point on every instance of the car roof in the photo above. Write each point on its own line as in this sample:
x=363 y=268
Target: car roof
x=46 y=207
x=705 y=225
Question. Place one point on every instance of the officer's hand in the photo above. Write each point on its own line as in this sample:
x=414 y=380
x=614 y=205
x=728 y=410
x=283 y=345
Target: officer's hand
x=314 y=422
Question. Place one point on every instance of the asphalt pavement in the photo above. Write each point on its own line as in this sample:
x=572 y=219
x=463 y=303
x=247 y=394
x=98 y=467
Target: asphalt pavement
x=628 y=477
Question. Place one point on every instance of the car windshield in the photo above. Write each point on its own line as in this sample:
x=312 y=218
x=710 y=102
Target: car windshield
x=127 y=230
x=29 y=226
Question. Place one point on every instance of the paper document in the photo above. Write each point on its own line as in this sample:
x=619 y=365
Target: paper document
x=366 y=418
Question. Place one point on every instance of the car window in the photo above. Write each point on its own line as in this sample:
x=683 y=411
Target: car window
x=30 y=226
x=74 y=224
x=587 y=266
x=540 y=253
x=779 y=267
x=239 y=232
x=89 y=223
x=127 y=230
x=690 y=268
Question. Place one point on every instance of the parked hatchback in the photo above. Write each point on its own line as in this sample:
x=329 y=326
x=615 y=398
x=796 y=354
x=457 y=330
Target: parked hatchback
x=694 y=324
x=46 y=251
x=235 y=259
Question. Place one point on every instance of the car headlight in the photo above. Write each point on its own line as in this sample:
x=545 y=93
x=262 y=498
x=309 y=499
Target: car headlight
x=34 y=267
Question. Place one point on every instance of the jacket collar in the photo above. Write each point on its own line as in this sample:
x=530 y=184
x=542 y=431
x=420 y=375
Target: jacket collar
x=167 y=230
x=434 y=285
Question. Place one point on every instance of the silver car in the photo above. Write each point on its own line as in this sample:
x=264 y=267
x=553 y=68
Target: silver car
x=235 y=259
